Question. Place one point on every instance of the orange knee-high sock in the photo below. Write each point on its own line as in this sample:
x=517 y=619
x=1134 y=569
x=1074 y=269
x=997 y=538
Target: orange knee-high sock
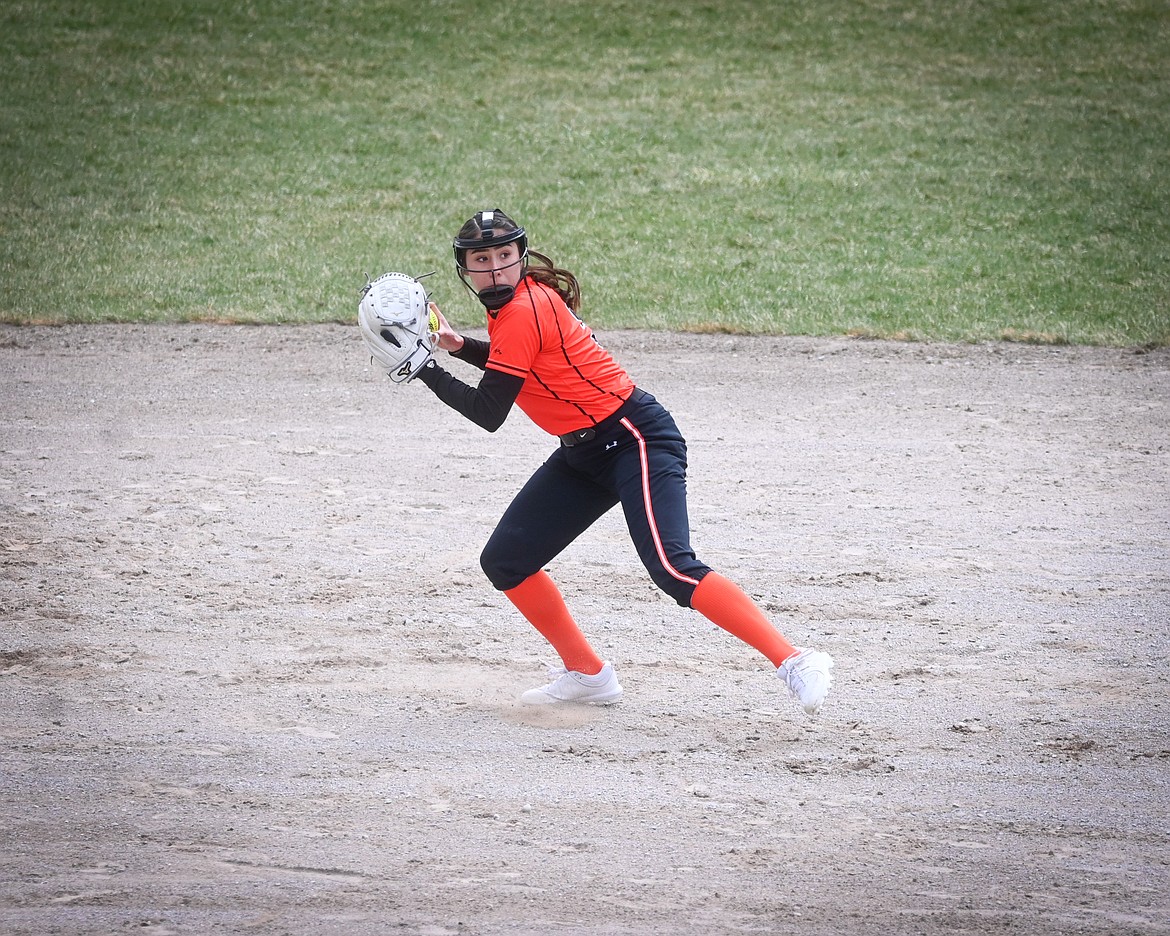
x=724 y=603
x=540 y=601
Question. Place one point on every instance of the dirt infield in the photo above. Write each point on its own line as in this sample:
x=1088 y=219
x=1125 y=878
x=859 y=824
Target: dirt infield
x=253 y=680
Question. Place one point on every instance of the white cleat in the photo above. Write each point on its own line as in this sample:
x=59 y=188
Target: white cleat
x=806 y=674
x=571 y=686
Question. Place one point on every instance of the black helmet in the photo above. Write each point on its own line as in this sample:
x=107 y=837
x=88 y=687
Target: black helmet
x=489 y=228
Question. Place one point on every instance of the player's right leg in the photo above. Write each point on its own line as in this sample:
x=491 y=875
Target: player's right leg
x=550 y=511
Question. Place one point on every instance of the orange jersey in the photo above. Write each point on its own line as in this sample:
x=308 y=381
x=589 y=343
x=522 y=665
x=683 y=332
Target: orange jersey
x=570 y=381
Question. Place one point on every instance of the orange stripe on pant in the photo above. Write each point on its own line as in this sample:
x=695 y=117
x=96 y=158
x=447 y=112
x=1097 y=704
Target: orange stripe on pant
x=649 y=507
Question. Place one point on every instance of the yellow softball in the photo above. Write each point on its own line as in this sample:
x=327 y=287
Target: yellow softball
x=433 y=320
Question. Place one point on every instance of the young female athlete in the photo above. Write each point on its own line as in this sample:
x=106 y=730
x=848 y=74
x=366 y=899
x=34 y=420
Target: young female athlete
x=617 y=444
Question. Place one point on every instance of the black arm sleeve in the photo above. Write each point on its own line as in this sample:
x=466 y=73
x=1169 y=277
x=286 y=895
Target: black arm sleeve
x=474 y=352
x=486 y=405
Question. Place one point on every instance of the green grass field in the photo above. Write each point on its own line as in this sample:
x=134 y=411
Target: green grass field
x=919 y=169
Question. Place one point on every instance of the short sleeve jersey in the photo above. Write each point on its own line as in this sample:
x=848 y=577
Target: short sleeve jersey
x=570 y=381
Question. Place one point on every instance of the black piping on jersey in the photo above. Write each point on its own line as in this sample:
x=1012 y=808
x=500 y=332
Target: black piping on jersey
x=565 y=354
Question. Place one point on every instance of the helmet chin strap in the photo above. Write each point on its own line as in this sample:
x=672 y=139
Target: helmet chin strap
x=495 y=298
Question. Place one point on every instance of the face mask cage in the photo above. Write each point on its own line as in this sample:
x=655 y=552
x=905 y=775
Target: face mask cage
x=489 y=229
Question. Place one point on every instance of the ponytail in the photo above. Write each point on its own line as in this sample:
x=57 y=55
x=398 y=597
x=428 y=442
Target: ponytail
x=545 y=272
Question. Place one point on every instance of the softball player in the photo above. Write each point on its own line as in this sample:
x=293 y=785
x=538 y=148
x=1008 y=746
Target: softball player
x=618 y=444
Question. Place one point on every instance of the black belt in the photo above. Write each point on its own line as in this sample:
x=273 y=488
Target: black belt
x=577 y=436
x=569 y=439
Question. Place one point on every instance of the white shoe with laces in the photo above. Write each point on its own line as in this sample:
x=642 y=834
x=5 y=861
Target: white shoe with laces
x=571 y=686
x=806 y=674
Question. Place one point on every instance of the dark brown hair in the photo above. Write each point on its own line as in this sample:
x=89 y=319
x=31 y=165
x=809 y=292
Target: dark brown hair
x=544 y=271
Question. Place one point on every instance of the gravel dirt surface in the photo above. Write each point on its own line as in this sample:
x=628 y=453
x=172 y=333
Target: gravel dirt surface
x=253 y=680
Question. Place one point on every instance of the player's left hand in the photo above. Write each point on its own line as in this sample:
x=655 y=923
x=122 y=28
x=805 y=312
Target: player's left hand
x=394 y=320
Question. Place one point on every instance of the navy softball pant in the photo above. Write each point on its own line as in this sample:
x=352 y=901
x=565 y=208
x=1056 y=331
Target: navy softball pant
x=637 y=458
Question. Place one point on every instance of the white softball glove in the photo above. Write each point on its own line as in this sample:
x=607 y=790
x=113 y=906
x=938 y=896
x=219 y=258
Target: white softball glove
x=395 y=321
